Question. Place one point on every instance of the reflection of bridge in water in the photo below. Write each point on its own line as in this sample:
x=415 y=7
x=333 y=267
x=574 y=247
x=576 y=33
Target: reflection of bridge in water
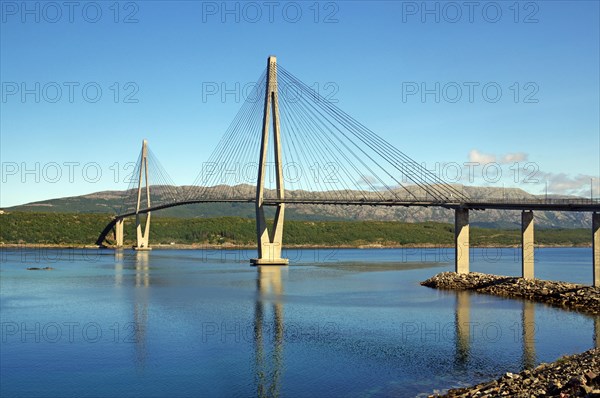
x=135 y=331
x=335 y=160
x=269 y=365
x=268 y=319
x=269 y=323
x=269 y=315
x=464 y=326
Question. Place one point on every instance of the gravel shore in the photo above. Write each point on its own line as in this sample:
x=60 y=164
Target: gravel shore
x=566 y=295
x=570 y=376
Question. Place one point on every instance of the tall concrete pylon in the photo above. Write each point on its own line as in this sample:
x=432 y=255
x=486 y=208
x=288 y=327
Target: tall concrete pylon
x=142 y=237
x=269 y=241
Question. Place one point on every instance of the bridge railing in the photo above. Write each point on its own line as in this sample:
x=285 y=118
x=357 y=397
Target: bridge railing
x=549 y=201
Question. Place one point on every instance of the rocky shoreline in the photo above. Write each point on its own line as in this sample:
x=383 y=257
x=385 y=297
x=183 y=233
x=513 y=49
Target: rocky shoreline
x=561 y=294
x=570 y=376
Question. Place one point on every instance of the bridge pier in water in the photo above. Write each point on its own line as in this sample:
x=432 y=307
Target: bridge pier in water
x=142 y=241
x=527 y=245
x=461 y=244
x=119 y=232
x=270 y=241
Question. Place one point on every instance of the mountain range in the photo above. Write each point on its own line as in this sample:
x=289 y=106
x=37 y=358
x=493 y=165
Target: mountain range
x=110 y=202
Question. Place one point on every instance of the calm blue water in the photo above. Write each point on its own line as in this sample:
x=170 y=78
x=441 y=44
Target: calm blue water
x=336 y=323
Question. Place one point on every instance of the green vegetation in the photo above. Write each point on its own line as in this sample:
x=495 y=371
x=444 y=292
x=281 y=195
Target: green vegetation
x=77 y=229
x=51 y=228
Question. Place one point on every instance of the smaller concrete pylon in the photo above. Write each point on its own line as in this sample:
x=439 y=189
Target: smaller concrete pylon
x=527 y=245
x=119 y=232
x=461 y=241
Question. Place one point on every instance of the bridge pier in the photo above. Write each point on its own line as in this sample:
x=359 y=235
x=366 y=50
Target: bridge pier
x=142 y=241
x=527 y=245
x=596 y=247
x=119 y=232
x=461 y=241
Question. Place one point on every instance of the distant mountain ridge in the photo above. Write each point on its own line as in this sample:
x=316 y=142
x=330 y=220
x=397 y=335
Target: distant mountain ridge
x=110 y=202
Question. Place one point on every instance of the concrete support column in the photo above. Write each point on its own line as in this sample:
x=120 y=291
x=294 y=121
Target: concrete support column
x=527 y=244
x=461 y=241
x=119 y=232
x=596 y=247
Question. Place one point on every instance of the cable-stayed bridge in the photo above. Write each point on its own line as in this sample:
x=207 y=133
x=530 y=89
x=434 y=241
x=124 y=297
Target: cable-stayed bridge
x=289 y=145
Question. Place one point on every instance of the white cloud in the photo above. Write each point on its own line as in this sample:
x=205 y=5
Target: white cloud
x=480 y=157
x=514 y=157
x=483 y=158
x=564 y=184
x=526 y=176
x=367 y=180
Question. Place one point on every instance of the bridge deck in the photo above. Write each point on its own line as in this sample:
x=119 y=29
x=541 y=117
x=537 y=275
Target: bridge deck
x=580 y=205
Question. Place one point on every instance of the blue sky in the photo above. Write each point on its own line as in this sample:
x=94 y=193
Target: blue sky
x=152 y=70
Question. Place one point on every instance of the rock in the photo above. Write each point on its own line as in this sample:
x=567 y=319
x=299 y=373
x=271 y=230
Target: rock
x=574 y=382
x=590 y=376
x=556 y=386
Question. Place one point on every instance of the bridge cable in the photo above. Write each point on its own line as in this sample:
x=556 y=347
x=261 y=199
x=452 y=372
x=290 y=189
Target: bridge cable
x=382 y=147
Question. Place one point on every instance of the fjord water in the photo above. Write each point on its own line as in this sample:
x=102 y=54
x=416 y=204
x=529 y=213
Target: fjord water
x=345 y=322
